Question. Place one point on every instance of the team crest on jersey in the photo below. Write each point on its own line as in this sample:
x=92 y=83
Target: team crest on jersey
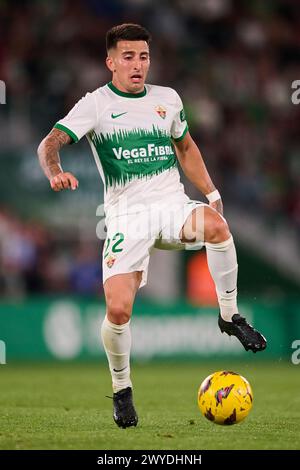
x=110 y=261
x=161 y=111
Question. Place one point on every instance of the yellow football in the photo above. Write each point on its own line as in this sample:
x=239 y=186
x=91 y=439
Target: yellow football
x=225 y=397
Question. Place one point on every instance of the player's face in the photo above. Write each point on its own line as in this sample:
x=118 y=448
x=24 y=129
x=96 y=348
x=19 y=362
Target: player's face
x=129 y=62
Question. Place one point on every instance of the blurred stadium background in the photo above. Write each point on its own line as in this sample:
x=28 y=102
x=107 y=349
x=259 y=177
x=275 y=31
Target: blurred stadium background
x=233 y=63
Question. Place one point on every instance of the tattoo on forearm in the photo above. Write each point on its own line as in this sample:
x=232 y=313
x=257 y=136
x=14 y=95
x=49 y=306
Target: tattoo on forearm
x=48 y=152
x=219 y=206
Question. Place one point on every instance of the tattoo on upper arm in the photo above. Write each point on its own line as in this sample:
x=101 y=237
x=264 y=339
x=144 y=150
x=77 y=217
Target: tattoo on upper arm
x=48 y=151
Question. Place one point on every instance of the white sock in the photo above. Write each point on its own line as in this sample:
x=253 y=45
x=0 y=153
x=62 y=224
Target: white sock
x=222 y=263
x=117 y=343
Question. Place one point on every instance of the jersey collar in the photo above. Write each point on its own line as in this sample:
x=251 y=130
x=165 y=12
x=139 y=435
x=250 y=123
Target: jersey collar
x=124 y=94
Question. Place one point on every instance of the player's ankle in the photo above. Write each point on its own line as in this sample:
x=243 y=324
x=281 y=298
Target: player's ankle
x=228 y=312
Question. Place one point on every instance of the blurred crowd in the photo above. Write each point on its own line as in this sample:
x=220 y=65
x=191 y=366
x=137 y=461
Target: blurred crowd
x=233 y=63
x=34 y=259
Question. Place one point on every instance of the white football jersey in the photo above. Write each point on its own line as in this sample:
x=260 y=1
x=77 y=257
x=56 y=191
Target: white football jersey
x=131 y=140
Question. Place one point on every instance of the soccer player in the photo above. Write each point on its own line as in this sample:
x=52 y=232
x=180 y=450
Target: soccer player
x=137 y=133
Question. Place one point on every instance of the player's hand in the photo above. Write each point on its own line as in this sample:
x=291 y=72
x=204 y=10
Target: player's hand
x=218 y=205
x=64 y=181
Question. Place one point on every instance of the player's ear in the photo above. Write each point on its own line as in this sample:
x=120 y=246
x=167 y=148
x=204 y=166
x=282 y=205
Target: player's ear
x=110 y=63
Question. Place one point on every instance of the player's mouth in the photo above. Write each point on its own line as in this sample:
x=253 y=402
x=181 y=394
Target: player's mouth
x=136 y=78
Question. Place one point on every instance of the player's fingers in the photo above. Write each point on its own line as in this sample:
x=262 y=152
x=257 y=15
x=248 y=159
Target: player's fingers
x=55 y=187
x=56 y=184
x=72 y=181
x=65 y=182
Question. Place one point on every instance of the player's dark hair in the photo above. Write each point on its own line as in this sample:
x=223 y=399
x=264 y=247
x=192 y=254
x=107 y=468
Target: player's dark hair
x=126 y=31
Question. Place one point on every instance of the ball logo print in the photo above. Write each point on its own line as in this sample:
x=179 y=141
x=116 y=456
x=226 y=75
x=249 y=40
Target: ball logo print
x=225 y=397
x=223 y=393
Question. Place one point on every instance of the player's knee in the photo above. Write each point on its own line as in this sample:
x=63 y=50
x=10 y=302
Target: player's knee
x=216 y=229
x=119 y=311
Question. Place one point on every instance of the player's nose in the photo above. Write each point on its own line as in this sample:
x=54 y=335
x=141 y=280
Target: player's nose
x=137 y=65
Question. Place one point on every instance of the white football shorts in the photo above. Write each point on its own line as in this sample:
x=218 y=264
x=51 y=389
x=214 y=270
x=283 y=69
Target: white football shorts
x=131 y=237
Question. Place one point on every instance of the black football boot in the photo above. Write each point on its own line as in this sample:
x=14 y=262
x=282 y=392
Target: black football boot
x=245 y=333
x=124 y=411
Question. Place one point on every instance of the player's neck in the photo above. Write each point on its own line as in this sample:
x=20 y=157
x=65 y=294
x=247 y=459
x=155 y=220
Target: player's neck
x=122 y=89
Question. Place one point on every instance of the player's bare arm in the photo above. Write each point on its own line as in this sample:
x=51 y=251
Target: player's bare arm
x=48 y=153
x=192 y=164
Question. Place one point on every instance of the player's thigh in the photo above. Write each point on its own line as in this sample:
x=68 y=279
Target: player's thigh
x=185 y=224
x=194 y=225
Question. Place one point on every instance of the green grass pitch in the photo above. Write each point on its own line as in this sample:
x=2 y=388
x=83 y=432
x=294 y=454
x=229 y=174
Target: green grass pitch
x=63 y=406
